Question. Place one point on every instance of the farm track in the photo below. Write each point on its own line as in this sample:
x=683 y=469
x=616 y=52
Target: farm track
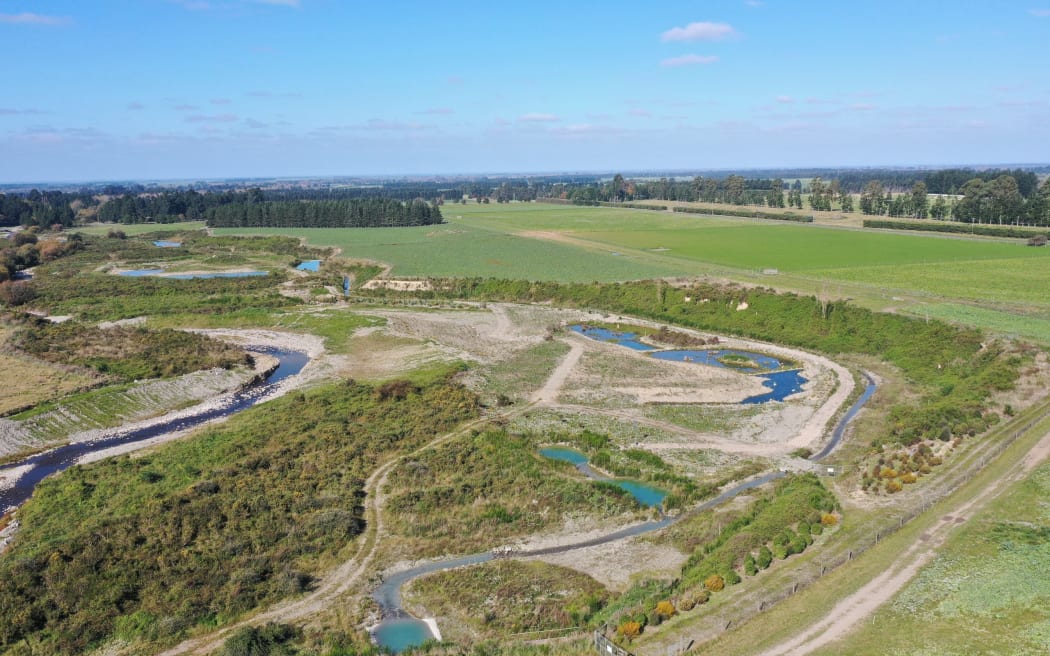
x=850 y=611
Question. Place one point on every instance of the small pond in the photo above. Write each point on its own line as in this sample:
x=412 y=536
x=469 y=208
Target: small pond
x=643 y=494
x=138 y=273
x=167 y=244
x=401 y=633
x=310 y=265
x=630 y=340
x=725 y=358
x=782 y=384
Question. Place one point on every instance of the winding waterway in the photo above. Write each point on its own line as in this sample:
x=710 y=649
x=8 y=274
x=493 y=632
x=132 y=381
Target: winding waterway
x=399 y=630
x=55 y=460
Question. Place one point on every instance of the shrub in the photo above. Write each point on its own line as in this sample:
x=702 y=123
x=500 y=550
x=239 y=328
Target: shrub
x=765 y=557
x=629 y=630
x=732 y=578
x=702 y=596
x=714 y=583
x=655 y=618
x=829 y=519
x=665 y=608
x=16 y=292
x=750 y=568
x=892 y=487
x=780 y=552
x=909 y=478
x=687 y=601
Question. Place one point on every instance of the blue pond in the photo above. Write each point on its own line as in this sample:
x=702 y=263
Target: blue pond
x=781 y=384
x=630 y=340
x=189 y=276
x=713 y=358
x=399 y=634
x=310 y=265
x=644 y=494
x=167 y=244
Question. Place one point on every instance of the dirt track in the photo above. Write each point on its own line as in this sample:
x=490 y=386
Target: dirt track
x=850 y=611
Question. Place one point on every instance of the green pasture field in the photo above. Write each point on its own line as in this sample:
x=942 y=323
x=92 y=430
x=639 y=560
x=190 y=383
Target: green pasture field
x=986 y=592
x=1031 y=326
x=457 y=249
x=134 y=229
x=572 y=244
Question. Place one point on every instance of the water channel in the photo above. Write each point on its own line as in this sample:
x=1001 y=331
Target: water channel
x=55 y=460
x=139 y=273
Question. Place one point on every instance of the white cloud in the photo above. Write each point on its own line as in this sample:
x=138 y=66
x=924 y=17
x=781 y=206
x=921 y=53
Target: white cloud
x=220 y=101
x=438 y=111
x=136 y=106
x=283 y=3
x=703 y=31
x=186 y=108
x=26 y=18
x=28 y=111
x=1040 y=13
x=641 y=113
x=539 y=118
x=785 y=100
x=689 y=60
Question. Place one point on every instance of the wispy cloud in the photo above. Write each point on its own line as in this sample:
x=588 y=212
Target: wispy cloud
x=862 y=107
x=282 y=3
x=640 y=113
x=539 y=118
x=136 y=106
x=689 y=60
x=211 y=118
x=186 y=108
x=454 y=80
x=754 y=3
x=254 y=124
x=702 y=31
x=1040 y=13
x=438 y=111
x=785 y=100
x=26 y=111
x=220 y=101
x=27 y=18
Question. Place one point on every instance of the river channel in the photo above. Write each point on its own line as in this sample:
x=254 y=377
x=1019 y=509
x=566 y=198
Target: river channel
x=55 y=460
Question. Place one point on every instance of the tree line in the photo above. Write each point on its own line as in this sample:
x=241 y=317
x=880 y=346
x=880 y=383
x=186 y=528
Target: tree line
x=356 y=213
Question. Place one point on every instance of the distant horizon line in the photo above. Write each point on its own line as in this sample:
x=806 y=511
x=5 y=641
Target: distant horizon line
x=516 y=174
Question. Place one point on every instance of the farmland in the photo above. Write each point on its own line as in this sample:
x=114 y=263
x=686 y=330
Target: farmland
x=566 y=243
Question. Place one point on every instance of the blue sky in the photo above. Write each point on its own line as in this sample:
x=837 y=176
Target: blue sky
x=176 y=89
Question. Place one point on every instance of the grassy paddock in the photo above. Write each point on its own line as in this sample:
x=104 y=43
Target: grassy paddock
x=134 y=229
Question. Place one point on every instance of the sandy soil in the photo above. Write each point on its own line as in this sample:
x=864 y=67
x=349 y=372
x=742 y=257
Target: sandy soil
x=616 y=564
x=9 y=476
x=398 y=285
x=861 y=604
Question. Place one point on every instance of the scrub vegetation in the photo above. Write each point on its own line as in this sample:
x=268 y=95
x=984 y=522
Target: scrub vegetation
x=202 y=531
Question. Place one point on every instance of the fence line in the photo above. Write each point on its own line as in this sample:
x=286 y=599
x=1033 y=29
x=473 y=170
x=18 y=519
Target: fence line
x=980 y=460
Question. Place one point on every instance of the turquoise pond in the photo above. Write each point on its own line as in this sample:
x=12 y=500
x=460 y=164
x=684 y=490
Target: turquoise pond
x=167 y=244
x=138 y=273
x=643 y=494
x=310 y=265
x=400 y=634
